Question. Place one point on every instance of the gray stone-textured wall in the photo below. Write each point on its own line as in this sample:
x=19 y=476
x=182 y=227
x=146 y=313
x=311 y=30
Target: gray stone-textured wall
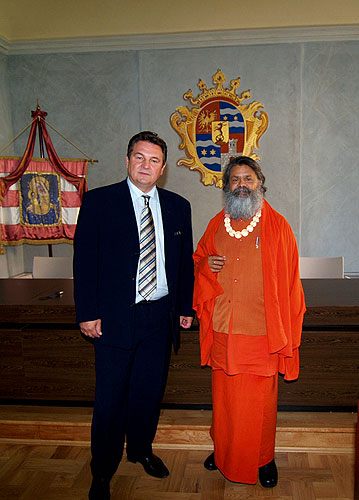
x=330 y=152
x=309 y=152
x=12 y=262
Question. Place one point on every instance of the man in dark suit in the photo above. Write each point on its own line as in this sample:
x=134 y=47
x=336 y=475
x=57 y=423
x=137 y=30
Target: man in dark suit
x=133 y=282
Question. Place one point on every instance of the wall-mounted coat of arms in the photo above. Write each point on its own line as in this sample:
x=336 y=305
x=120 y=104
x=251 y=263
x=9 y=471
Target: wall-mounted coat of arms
x=218 y=127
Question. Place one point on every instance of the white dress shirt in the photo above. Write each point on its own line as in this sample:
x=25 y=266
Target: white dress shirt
x=154 y=202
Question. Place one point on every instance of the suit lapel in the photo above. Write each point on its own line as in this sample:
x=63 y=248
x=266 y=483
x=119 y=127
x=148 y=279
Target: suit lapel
x=124 y=213
x=167 y=221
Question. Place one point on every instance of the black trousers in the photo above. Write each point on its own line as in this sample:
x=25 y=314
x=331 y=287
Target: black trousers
x=129 y=389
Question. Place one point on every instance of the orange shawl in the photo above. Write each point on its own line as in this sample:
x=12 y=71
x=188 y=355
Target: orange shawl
x=283 y=293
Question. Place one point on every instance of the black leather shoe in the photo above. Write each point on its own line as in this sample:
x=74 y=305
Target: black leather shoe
x=153 y=465
x=268 y=475
x=100 y=489
x=209 y=463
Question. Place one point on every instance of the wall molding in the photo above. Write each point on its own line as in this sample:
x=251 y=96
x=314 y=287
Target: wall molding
x=182 y=40
x=4 y=45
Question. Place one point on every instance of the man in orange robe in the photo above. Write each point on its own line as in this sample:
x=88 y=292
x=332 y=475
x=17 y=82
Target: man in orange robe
x=250 y=304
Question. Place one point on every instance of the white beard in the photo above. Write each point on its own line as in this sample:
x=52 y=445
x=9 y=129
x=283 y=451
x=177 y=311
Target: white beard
x=243 y=208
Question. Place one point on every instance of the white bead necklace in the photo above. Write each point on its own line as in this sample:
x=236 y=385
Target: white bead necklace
x=245 y=232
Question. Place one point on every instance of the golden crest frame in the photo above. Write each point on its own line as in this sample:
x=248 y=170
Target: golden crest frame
x=186 y=122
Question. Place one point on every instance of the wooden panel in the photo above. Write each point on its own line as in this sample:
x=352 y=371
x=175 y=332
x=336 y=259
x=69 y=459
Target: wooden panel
x=46 y=364
x=329 y=371
x=188 y=382
x=46 y=313
x=53 y=362
x=331 y=316
x=58 y=364
x=11 y=364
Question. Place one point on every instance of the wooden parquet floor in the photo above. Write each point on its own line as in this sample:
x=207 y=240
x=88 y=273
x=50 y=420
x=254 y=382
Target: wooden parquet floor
x=52 y=472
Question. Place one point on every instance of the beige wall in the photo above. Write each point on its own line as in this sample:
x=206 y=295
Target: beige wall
x=51 y=19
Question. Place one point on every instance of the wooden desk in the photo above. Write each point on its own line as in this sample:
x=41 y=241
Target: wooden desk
x=43 y=356
x=29 y=301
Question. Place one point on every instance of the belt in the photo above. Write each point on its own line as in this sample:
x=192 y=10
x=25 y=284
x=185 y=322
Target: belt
x=150 y=302
x=146 y=302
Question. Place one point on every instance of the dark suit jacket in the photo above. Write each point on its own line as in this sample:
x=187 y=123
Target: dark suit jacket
x=106 y=252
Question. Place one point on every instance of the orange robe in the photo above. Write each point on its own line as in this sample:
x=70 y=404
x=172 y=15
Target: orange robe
x=240 y=343
x=283 y=294
x=243 y=423
x=245 y=366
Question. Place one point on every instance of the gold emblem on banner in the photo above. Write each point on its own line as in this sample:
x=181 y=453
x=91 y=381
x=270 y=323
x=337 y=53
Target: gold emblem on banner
x=218 y=127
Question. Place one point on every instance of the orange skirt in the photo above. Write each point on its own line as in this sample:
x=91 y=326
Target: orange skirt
x=243 y=424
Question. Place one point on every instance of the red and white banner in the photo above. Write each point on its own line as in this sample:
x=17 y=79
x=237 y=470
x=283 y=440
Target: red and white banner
x=42 y=206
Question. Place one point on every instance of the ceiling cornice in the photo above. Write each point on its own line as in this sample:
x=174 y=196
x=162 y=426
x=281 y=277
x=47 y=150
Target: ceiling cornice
x=182 y=40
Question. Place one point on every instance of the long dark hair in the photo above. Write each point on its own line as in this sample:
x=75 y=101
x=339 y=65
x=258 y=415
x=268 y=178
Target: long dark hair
x=243 y=160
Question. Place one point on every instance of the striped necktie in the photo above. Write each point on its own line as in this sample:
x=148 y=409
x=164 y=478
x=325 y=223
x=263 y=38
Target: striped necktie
x=147 y=275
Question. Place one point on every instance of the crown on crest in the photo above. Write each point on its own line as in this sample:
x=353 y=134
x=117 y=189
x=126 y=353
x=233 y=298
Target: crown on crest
x=218 y=91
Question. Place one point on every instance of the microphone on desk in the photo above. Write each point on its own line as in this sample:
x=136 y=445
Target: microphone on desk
x=59 y=293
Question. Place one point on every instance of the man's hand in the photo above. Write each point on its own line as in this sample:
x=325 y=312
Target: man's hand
x=186 y=321
x=91 y=328
x=216 y=262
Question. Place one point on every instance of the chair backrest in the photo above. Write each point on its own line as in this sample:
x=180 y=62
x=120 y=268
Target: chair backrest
x=52 y=267
x=321 y=267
